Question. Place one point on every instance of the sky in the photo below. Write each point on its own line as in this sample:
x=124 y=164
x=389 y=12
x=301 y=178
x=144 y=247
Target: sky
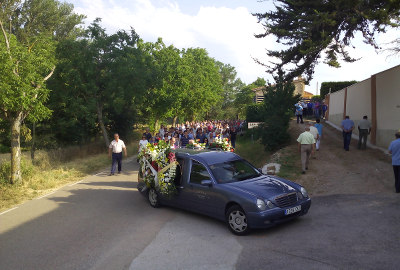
x=226 y=29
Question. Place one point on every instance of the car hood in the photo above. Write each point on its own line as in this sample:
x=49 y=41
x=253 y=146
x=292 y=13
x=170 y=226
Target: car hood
x=263 y=187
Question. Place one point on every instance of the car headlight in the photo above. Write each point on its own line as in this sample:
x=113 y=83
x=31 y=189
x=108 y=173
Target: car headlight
x=304 y=192
x=261 y=205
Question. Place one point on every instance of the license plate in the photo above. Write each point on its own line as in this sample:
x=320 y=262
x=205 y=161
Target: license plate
x=293 y=210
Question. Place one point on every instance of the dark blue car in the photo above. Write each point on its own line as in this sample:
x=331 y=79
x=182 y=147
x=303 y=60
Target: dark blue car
x=225 y=186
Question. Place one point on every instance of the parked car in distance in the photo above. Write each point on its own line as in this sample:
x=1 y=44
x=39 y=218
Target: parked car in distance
x=224 y=186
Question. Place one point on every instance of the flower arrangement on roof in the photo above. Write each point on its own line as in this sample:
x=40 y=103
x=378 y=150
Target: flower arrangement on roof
x=196 y=145
x=223 y=144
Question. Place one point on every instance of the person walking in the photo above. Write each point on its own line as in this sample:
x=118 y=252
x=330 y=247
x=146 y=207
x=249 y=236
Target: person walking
x=347 y=128
x=233 y=135
x=319 y=127
x=299 y=112
x=115 y=153
x=147 y=134
x=394 y=149
x=306 y=147
x=364 y=129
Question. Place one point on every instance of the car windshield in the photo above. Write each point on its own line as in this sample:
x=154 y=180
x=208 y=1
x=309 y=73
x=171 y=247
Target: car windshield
x=233 y=171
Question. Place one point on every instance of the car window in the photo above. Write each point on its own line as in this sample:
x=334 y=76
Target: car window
x=198 y=173
x=233 y=171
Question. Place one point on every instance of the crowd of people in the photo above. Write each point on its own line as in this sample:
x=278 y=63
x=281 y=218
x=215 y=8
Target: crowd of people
x=204 y=132
x=310 y=109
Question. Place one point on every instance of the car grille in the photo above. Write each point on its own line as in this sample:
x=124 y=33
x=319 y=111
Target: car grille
x=286 y=200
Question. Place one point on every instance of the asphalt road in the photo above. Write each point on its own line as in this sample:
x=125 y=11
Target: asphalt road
x=104 y=223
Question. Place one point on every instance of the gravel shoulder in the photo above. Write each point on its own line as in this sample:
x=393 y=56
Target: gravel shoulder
x=335 y=171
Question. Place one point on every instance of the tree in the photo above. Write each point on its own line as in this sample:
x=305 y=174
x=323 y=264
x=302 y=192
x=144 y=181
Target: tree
x=258 y=82
x=277 y=111
x=202 y=83
x=163 y=100
x=244 y=101
x=231 y=86
x=187 y=84
x=99 y=75
x=244 y=98
x=310 y=28
x=27 y=61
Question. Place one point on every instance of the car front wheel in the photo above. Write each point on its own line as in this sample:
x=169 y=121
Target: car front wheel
x=153 y=198
x=237 y=220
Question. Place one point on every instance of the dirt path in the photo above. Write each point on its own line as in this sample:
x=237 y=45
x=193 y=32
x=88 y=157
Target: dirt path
x=335 y=171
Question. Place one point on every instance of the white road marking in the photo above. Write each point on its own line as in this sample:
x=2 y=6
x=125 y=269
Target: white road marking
x=100 y=173
x=73 y=184
x=9 y=210
x=41 y=197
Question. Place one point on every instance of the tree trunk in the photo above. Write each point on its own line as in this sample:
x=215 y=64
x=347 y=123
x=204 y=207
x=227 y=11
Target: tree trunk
x=174 y=123
x=33 y=146
x=156 y=126
x=16 y=149
x=101 y=123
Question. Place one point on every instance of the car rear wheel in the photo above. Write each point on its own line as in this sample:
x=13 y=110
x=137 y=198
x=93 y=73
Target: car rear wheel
x=237 y=220
x=153 y=198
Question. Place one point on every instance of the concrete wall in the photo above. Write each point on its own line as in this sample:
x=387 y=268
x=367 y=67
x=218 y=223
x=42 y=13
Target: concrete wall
x=377 y=97
x=387 y=105
x=336 y=107
x=359 y=101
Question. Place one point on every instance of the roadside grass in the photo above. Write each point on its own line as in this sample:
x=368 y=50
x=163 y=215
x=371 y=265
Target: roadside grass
x=288 y=157
x=253 y=151
x=47 y=173
x=289 y=160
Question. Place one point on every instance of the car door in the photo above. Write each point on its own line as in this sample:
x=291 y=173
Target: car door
x=201 y=199
x=180 y=198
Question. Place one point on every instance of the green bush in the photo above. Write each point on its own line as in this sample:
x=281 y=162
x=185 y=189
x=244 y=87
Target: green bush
x=4 y=149
x=5 y=169
x=27 y=170
x=255 y=113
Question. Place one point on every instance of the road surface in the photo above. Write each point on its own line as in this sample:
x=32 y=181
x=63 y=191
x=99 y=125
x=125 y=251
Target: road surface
x=104 y=223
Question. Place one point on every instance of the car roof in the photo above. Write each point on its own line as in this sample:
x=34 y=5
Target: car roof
x=211 y=157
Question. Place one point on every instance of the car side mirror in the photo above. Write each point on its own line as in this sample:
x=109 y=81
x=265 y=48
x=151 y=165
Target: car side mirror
x=206 y=183
x=260 y=170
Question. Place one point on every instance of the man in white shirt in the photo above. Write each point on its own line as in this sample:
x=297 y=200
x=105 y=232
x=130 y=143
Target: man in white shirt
x=162 y=131
x=115 y=152
x=313 y=131
x=364 y=129
x=143 y=142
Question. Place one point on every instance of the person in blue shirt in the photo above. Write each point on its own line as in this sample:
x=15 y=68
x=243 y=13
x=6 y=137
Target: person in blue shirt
x=319 y=126
x=184 y=139
x=200 y=135
x=299 y=112
x=394 y=149
x=347 y=127
x=324 y=109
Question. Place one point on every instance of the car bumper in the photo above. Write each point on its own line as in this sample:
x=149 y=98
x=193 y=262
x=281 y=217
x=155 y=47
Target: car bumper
x=142 y=188
x=271 y=217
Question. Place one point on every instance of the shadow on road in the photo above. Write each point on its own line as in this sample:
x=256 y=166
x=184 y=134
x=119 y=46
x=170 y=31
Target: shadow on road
x=79 y=228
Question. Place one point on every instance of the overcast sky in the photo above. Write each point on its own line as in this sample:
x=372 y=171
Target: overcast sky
x=226 y=29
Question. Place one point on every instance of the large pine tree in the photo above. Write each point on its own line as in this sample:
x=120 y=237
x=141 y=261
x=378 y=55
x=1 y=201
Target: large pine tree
x=309 y=28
